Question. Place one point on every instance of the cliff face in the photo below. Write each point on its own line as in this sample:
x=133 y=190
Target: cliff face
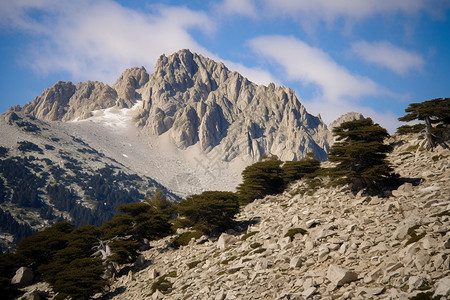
x=196 y=100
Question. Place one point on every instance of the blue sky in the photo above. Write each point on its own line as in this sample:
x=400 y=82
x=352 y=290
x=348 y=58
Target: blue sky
x=369 y=56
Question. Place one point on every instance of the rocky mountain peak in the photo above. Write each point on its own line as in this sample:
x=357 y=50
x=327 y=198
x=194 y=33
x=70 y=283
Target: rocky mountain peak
x=53 y=102
x=127 y=85
x=197 y=100
x=348 y=117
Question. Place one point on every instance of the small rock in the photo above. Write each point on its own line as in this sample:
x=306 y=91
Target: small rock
x=309 y=292
x=296 y=262
x=414 y=282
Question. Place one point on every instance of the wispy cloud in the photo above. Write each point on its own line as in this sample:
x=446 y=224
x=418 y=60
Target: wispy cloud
x=99 y=39
x=354 y=9
x=239 y=7
x=386 y=55
x=310 y=65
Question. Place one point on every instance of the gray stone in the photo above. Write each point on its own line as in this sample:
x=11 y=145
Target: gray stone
x=225 y=240
x=442 y=287
x=309 y=292
x=23 y=277
x=339 y=276
x=296 y=262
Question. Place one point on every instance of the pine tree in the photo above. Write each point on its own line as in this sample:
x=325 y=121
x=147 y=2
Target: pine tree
x=360 y=155
x=295 y=170
x=211 y=211
x=261 y=179
x=433 y=112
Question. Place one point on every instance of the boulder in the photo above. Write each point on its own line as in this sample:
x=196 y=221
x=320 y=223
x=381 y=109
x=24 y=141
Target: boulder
x=340 y=276
x=225 y=240
x=442 y=287
x=24 y=276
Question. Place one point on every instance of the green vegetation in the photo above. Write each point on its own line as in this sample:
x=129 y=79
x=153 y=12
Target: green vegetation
x=162 y=284
x=255 y=245
x=226 y=261
x=295 y=170
x=261 y=179
x=193 y=264
x=184 y=238
x=413 y=234
x=360 y=155
x=247 y=235
x=407 y=129
x=293 y=231
x=210 y=212
x=436 y=116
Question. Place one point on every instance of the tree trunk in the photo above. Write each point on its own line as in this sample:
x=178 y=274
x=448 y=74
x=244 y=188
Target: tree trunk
x=428 y=127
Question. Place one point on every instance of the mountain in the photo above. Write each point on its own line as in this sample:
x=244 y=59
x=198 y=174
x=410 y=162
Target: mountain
x=48 y=175
x=196 y=100
x=191 y=125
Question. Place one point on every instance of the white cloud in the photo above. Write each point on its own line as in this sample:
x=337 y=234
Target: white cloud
x=239 y=7
x=97 y=40
x=310 y=65
x=389 y=56
x=355 y=9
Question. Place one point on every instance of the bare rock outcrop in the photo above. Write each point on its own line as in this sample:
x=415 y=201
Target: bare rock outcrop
x=65 y=101
x=198 y=100
x=127 y=85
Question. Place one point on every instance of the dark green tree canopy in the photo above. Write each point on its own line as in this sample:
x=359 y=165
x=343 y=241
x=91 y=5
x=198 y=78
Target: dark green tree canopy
x=295 y=170
x=360 y=155
x=211 y=211
x=436 y=115
x=260 y=179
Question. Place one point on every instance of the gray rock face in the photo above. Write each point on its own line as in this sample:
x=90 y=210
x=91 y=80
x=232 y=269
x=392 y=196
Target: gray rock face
x=24 y=276
x=52 y=104
x=348 y=117
x=127 y=85
x=200 y=101
x=339 y=276
x=65 y=102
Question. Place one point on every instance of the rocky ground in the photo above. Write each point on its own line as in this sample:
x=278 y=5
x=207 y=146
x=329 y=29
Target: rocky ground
x=354 y=247
x=329 y=245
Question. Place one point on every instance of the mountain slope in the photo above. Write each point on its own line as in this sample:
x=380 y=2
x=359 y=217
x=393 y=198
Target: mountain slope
x=354 y=247
x=48 y=175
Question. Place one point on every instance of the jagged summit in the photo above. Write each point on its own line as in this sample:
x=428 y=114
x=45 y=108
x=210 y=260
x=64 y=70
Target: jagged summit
x=196 y=100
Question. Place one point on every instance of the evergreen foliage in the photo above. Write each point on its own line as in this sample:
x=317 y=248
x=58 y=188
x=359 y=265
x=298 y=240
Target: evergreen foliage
x=211 y=211
x=406 y=129
x=360 y=155
x=261 y=179
x=436 y=115
x=295 y=170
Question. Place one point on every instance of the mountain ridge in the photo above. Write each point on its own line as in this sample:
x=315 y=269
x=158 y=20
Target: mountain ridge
x=200 y=101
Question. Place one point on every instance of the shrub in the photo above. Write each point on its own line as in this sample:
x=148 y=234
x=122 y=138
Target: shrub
x=249 y=234
x=162 y=284
x=255 y=245
x=184 y=238
x=293 y=231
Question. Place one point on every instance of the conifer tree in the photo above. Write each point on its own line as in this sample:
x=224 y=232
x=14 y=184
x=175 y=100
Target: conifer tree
x=260 y=179
x=436 y=115
x=360 y=155
x=211 y=211
x=295 y=170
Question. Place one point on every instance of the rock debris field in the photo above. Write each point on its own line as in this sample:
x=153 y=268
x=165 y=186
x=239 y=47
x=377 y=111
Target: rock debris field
x=351 y=246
